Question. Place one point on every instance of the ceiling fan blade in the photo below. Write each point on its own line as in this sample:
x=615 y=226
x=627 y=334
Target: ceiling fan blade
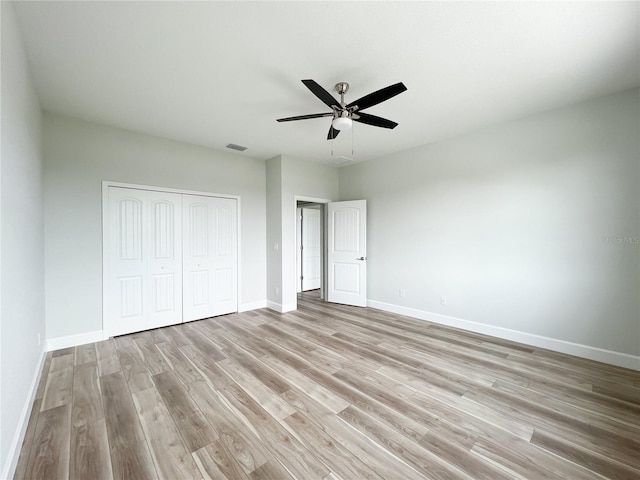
x=333 y=133
x=304 y=117
x=374 y=120
x=378 y=96
x=322 y=94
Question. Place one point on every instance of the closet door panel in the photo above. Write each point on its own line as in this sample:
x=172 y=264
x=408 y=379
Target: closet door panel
x=125 y=284
x=144 y=261
x=226 y=256
x=210 y=256
x=198 y=261
x=164 y=292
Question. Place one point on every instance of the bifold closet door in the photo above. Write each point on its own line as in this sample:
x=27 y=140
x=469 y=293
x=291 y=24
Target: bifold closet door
x=143 y=281
x=210 y=257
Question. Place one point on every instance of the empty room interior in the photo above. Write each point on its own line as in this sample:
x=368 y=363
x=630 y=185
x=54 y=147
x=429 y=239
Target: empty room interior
x=320 y=240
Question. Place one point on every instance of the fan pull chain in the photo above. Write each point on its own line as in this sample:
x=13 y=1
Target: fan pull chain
x=352 y=129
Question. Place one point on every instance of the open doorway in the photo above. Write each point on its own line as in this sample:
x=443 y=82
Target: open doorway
x=309 y=246
x=343 y=268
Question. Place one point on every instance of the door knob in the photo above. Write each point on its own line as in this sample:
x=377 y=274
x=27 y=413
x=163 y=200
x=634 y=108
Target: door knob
x=361 y=258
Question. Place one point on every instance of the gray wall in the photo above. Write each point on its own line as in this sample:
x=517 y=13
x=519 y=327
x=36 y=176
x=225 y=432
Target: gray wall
x=530 y=226
x=78 y=157
x=274 y=233
x=21 y=253
x=288 y=178
x=300 y=179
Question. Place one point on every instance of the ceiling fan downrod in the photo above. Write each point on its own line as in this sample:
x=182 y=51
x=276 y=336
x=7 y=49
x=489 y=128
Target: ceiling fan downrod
x=342 y=88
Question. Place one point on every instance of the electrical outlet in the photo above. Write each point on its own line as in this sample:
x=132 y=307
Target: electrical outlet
x=402 y=293
x=277 y=290
x=443 y=300
x=276 y=246
x=39 y=341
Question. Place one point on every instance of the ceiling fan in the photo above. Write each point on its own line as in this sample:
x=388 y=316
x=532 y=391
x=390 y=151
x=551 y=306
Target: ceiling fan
x=343 y=114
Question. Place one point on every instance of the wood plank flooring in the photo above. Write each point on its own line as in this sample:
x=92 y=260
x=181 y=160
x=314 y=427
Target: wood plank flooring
x=328 y=392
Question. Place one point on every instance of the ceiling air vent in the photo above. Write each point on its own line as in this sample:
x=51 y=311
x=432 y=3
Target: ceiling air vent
x=239 y=148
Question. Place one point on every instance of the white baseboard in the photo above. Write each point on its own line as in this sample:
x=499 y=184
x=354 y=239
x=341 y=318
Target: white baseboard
x=245 y=307
x=99 y=335
x=585 y=351
x=287 y=307
x=274 y=306
x=74 y=340
x=9 y=469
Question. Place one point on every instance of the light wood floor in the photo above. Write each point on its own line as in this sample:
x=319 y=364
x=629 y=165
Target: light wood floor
x=328 y=392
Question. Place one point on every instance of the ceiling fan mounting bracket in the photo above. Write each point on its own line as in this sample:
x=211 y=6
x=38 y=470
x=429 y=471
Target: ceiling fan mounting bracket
x=342 y=87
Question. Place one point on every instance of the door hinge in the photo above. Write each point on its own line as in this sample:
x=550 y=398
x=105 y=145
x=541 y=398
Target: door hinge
x=301 y=277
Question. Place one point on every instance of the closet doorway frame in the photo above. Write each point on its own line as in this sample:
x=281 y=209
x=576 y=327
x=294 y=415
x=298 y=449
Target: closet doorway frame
x=106 y=184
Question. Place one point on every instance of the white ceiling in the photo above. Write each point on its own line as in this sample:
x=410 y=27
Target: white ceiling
x=212 y=73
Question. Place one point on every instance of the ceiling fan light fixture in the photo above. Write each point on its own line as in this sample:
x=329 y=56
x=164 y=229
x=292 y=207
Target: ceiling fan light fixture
x=342 y=123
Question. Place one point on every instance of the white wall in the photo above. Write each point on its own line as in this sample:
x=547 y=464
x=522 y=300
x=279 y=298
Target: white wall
x=22 y=250
x=292 y=178
x=511 y=225
x=78 y=157
x=274 y=233
x=300 y=179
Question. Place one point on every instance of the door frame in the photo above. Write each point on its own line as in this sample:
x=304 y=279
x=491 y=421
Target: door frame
x=298 y=246
x=105 y=220
x=300 y=242
x=323 y=226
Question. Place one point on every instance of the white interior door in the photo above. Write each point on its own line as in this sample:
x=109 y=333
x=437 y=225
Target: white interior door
x=347 y=252
x=144 y=267
x=210 y=256
x=311 y=248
